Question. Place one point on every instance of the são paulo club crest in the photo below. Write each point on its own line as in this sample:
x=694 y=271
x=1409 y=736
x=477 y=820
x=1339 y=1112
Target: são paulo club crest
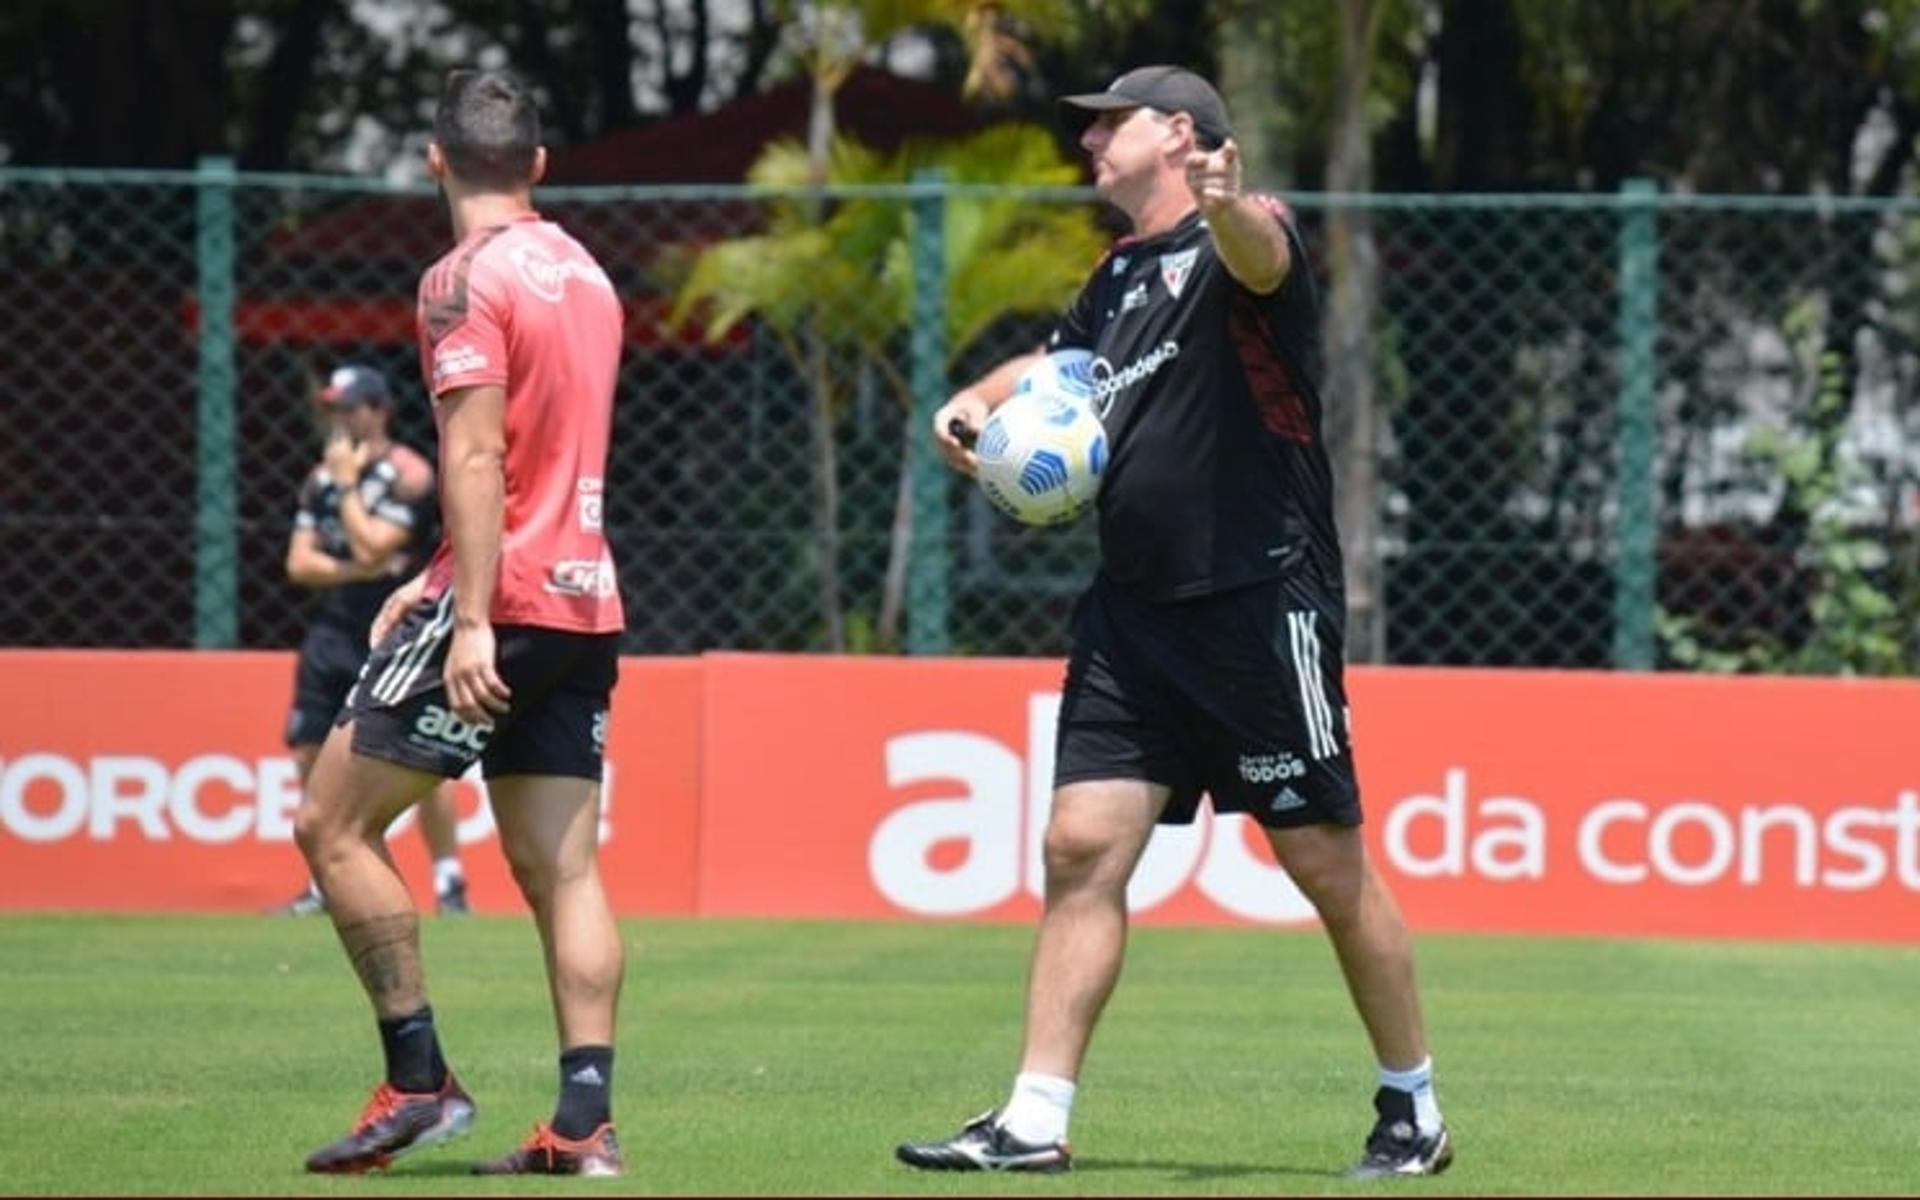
x=1174 y=269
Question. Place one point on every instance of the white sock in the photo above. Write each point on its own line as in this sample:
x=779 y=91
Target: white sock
x=1418 y=1082
x=446 y=873
x=1040 y=1108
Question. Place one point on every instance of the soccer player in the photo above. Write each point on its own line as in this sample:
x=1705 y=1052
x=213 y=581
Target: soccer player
x=1207 y=652
x=502 y=651
x=366 y=514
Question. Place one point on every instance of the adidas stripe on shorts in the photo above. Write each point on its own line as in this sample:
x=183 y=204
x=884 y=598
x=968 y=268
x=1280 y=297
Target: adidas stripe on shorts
x=1236 y=694
x=562 y=684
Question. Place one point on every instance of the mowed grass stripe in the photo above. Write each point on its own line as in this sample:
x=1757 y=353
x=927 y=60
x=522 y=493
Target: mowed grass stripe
x=206 y=1055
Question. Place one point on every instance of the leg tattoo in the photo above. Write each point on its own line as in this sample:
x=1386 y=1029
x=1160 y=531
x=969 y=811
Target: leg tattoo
x=385 y=952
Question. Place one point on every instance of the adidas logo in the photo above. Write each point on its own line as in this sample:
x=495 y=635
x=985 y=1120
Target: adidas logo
x=589 y=1075
x=1287 y=801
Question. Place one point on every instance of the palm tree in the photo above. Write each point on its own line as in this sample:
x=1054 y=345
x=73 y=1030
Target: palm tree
x=839 y=288
x=830 y=38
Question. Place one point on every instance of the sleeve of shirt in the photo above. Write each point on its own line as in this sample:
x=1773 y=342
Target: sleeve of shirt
x=1075 y=330
x=378 y=496
x=308 y=501
x=1300 y=270
x=473 y=352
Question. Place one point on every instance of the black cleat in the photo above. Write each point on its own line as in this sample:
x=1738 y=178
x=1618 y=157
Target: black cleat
x=984 y=1145
x=396 y=1123
x=1396 y=1147
x=547 y=1153
x=451 y=901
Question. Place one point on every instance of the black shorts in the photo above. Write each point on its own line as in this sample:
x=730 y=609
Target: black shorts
x=562 y=683
x=1237 y=695
x=330 y=659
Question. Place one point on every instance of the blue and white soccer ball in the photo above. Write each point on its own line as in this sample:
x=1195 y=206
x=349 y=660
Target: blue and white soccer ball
x=1042 y=452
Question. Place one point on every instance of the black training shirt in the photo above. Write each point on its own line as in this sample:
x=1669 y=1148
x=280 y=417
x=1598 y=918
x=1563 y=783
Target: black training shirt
x=1217 y=475
x=352 y=606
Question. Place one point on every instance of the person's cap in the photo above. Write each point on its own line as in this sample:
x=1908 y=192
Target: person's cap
x=1168 y=89
x=353 y=385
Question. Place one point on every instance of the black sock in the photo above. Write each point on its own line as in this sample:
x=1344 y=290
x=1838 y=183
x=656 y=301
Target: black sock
x=413 y=1052
x=586 y=1091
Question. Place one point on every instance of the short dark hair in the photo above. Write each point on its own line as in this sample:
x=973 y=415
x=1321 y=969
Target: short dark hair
x=488 y=128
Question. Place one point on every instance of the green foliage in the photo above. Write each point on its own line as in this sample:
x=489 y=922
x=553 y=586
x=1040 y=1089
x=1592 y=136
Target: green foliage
x=849 y=273
x=1690 y=88
x=833 y=280
x=1859 y=624
x=1305 y=41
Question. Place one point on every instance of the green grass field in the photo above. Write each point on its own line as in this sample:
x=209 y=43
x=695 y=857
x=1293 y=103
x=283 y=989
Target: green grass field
x=206 y=1055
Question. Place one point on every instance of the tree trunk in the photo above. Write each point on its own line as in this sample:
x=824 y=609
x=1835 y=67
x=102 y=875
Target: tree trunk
x=682 y=88
x=826 y=493
x=757 y=45
x=610 y=42
x=893 y=594
x=825 y=454
x=286 y=84
x=535 y=57
x=1250 y=85
x=1353 y=261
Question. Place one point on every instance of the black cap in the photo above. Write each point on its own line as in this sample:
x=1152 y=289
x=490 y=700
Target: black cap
x=1168 y=89
x=352 y=385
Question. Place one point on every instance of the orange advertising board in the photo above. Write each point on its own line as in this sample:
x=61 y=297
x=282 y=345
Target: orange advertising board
x=1551 y=802
x=157 y=780
x=1688 y=805
x=792 y=786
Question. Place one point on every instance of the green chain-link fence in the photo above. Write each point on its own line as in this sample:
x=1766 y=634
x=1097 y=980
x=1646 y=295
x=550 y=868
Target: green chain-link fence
x=1630 y=429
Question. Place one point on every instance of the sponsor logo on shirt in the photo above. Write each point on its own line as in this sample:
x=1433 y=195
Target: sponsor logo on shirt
x=546 y=277
x=451 y=359
x=588 y=494
x=1136 y=297
x=1109 y=381
x=582 y=577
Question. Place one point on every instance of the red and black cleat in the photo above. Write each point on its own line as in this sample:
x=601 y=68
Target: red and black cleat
x=396 y=1123
x=547 y=1153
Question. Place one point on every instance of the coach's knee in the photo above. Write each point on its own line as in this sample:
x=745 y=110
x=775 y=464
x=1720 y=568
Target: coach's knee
x=1328 y=865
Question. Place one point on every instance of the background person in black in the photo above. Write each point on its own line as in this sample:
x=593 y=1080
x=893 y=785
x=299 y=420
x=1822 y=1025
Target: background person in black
x=366 y=519
x=1207 y=654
